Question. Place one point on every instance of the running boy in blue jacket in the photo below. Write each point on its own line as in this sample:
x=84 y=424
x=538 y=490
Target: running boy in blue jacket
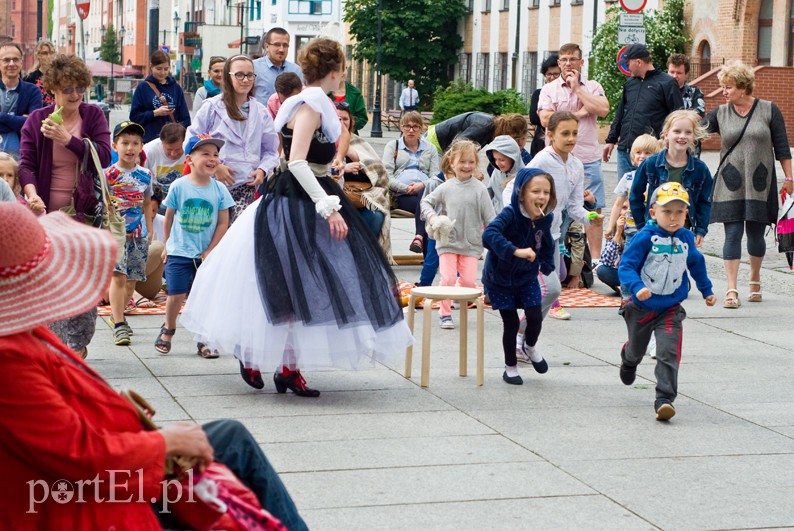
x=654 y=269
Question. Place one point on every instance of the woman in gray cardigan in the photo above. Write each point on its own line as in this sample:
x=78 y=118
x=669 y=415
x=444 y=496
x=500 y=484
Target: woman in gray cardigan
x=745 y=188
x=411 y=161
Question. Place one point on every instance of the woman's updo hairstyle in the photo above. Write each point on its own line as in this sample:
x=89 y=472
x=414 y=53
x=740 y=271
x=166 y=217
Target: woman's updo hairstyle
x=319 y=58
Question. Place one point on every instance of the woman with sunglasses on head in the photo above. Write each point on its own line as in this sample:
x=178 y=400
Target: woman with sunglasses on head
x=159 y=99
x=51 y=151
x=212 y=86
x=299 y=282
x=250 y=151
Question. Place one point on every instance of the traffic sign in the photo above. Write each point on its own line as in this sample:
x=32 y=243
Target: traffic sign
x=631 y=35
x=621 y=67
x=165 y=48
x=633 y=6
x=631 y=19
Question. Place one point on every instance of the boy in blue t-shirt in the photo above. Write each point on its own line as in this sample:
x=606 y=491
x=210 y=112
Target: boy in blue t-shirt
x=130 y=188
x=196 y=218
x=654 y=270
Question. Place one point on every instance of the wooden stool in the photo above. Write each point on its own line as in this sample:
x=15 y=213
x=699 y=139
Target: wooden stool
x=434 y=293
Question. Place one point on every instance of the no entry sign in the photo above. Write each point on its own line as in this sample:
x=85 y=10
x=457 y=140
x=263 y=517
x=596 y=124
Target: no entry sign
x=633 y=6
x=621 y=67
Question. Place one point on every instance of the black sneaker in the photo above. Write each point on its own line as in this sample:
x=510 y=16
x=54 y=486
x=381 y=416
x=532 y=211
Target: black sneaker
x=627 y=372
x=665 y=411
x=512 y=380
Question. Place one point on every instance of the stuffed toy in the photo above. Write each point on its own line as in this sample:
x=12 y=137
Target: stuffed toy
x=440 y=228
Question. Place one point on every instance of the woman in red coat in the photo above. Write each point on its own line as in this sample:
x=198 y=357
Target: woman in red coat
x=73 y=450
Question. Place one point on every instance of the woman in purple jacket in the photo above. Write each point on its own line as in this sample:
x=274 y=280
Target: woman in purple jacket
x=48 y=169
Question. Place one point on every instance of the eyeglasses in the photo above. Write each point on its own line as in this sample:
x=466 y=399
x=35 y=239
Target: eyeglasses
x=7 y=60
x=72 y=90
x=568 y=60
x=222 y=58
x=239 y=76
x=552 y=75
x=342 y=105
x=278 y=44
x=411 y=127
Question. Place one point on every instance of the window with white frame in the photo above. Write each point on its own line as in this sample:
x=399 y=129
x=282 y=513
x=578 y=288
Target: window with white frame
x=529 y=81
x=483 y=67
x=464 y=67
x=310 y=7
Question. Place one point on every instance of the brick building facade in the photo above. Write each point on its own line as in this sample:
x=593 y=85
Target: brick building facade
x=21 y=26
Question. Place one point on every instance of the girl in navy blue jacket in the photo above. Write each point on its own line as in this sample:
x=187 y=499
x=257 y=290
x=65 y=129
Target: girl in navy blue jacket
x=519 y=243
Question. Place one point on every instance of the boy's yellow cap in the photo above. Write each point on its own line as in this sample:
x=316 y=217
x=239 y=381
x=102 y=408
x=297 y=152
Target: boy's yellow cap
x=669 y=192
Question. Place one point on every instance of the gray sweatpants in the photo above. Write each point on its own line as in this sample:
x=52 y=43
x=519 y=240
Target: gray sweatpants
x=667 y=327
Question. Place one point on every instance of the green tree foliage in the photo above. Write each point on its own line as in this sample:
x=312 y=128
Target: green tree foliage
x=459 y=97
x=665 y=34
x=419 y=38
x=109 y=51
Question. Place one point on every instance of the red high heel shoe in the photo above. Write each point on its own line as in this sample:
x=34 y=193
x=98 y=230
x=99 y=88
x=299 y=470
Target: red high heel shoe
x=294 y=381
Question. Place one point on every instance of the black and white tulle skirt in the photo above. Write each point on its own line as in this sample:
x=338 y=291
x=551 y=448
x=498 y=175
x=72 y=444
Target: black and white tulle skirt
x=280 y=289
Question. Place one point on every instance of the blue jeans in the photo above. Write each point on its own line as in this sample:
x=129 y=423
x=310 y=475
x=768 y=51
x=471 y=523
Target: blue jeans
x=236 y=448
x=373 y=219
x=609 y=276
x=430 y=267
x=624 y=163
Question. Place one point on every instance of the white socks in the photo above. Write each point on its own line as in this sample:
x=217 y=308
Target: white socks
x=511 y=371
x=533 y=354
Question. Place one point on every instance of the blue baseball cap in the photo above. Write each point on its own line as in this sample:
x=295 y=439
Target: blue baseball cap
x=200 y=140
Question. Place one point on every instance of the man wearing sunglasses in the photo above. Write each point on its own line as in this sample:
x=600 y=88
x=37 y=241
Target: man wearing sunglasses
x=273 y=63
x=17 y=98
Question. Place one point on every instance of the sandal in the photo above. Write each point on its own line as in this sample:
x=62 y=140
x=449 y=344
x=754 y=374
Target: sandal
x=731 y=299
x=205 y=352
x=755 y=296
x=161 y=345
x=416 y=245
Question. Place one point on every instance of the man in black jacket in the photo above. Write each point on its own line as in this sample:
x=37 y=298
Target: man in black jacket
x=649 y=96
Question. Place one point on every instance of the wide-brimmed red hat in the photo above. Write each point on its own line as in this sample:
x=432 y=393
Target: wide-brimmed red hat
x=51 y=268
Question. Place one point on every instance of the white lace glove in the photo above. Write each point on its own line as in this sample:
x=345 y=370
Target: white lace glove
x=324 y=204
x=440 y=228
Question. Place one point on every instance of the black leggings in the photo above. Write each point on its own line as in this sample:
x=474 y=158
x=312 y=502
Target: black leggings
x=511 y=322
x=732 y=247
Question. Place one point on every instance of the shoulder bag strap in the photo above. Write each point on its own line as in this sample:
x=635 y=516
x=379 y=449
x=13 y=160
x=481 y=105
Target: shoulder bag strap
x=160 y=97
x=103 y=181
x=746 y=123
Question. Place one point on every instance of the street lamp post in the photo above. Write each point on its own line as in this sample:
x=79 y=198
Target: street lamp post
x=376 y=131
x=176 y=21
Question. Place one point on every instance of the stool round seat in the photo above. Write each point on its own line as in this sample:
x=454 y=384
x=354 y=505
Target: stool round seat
x=446 y=292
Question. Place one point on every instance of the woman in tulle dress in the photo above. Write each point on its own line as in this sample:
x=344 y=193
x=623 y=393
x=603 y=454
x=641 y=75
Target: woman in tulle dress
x=299 y=281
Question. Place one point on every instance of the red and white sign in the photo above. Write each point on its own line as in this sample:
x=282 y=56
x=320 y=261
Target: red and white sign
x=633 y=6
x=82 y=8
x=621 y=67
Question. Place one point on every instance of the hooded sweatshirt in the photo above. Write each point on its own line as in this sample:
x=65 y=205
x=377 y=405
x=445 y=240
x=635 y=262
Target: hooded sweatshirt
x=511 y=230
x=145 y=101
x=508 y=147
x=659 y=260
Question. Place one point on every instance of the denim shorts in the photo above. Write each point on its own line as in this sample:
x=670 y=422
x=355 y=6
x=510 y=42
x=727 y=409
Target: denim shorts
x=179 y=274
x=594 y=181
x=133 y=262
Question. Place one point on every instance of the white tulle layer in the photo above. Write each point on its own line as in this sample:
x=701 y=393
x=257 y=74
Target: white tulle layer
x=224 y=309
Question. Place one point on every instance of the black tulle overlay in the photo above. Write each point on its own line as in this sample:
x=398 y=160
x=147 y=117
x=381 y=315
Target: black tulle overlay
x=306 y=275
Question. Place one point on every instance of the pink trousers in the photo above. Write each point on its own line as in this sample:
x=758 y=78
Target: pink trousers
x=451 y=265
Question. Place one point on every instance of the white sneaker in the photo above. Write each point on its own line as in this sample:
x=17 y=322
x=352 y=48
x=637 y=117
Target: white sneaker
x=445 y=322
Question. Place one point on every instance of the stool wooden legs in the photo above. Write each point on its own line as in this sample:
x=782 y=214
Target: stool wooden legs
x=427 y=317
x=409 y=352
x=464 y=337
x=480 y=342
